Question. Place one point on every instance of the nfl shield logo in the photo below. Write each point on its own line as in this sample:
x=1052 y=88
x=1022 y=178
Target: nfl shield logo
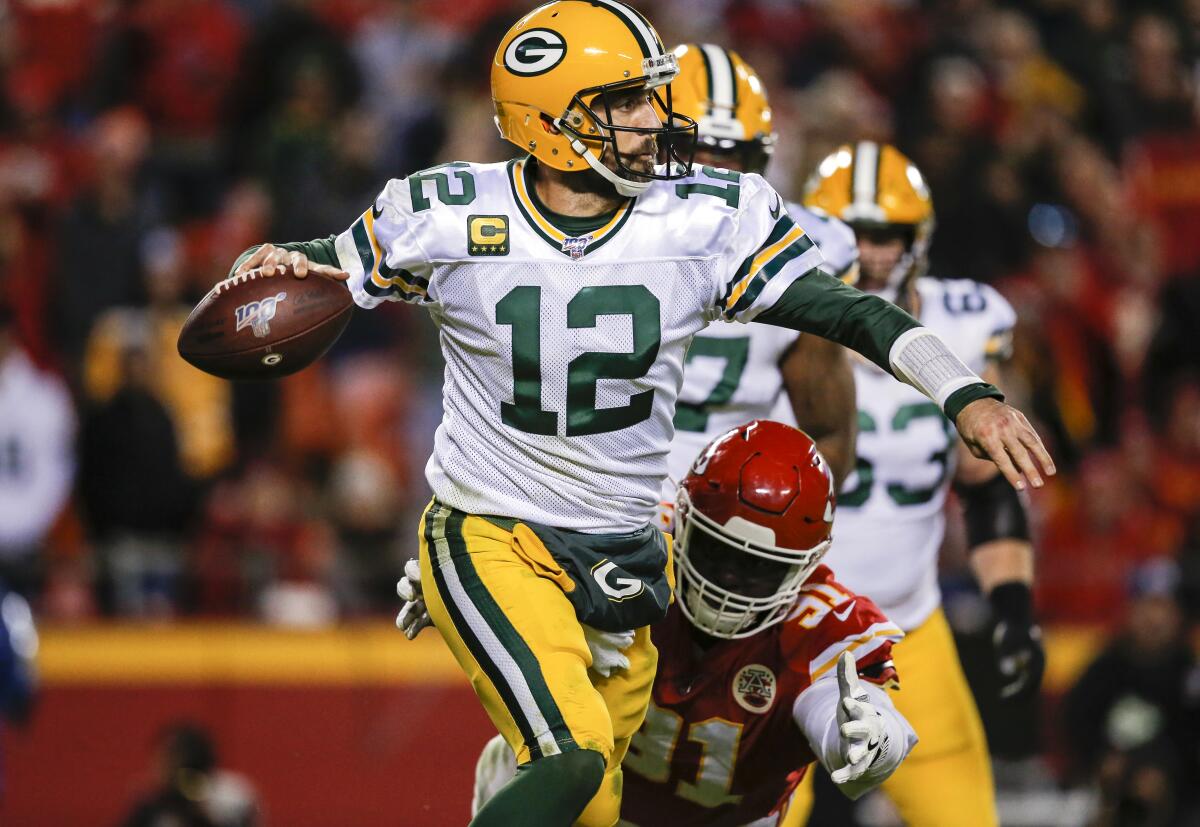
x=576 y=246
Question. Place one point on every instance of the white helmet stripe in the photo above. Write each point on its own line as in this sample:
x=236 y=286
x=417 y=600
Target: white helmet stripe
x=866 y=172
x=721 y=78
x=637 y=24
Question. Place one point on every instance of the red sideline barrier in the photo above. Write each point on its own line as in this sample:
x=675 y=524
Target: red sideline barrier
x=319 y=757
x=369 y=748
x=353 y=726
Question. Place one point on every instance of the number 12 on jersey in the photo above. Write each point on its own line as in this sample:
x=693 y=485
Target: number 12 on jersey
x=521 y=308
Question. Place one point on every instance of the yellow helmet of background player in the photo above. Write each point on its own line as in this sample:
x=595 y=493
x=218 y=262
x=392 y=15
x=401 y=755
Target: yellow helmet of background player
x=874 y=186
x=724 y=95
x=552 y=78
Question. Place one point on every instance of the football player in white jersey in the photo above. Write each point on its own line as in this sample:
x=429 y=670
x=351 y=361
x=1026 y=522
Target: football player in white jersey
x=566 y=286
x=737 y=373
x=891 y=511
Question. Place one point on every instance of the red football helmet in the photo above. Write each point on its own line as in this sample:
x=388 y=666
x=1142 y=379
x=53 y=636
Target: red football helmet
x=754 y=518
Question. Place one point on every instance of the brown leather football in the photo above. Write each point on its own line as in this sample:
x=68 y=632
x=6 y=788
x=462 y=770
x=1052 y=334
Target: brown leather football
x=256 y=327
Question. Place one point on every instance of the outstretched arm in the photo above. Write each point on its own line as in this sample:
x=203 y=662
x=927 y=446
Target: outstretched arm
x=820 y=304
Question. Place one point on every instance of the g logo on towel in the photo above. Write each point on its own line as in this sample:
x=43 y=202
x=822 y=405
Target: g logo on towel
x=622 y=588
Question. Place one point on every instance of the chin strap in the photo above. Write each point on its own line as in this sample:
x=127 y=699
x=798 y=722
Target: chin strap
x=630 y=189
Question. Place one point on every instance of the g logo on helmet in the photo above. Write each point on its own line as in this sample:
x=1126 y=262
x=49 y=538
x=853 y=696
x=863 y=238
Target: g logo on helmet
x=535 y=52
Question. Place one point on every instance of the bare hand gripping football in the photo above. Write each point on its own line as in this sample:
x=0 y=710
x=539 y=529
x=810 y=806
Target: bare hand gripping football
x=255 y=326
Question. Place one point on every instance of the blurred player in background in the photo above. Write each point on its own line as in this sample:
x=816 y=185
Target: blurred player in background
x=761 y=653
x=892 y=521
x=737 y=373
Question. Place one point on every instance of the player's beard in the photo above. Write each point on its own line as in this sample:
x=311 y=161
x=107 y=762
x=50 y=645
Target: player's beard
x=641 y=159
x=591 y=182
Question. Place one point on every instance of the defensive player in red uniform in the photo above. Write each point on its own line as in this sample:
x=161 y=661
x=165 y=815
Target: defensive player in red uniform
x=761 y=654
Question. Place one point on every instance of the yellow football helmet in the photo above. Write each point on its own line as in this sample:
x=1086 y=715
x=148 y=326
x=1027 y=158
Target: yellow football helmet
x=724 y=95
x=560 y=63
x=875 y=187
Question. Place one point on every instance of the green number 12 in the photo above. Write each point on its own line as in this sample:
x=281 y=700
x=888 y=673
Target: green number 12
x=521 y=309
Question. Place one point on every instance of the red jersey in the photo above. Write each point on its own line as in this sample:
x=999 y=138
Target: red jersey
x=719 y=745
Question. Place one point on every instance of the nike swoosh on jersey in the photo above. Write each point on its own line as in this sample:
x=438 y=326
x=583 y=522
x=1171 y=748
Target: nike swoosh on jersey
x=376 y=210
x=777 y=208
x=842 y=615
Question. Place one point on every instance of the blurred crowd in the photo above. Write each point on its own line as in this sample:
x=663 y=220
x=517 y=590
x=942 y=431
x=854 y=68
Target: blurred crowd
x=145 y=143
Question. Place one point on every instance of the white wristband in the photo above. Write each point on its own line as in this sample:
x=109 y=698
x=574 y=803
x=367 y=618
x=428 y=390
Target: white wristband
x=920 y=358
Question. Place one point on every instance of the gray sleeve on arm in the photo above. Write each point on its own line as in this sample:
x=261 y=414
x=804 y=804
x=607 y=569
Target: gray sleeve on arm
x=822 y=305
x=320 y=251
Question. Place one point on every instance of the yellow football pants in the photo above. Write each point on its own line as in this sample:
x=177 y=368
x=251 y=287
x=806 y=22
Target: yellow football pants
x=498 y=599
x=946 y=781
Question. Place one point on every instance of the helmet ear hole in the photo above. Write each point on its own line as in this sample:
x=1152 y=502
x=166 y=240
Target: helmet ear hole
x=548 y=125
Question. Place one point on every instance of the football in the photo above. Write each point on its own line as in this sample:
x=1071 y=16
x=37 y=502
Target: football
x=255 y=327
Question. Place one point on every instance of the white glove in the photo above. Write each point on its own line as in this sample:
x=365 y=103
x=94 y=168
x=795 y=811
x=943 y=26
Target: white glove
x=606 y=647
x=413 y=615
x=863 y=736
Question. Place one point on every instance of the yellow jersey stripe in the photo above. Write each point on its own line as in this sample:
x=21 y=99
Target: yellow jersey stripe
x=546 y=225
x=613 y=222
x=854 y=647
x=381 y=281
x=761 y=260
x=522 y=193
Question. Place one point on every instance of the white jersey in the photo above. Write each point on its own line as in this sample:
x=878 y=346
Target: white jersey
x=890 y=518
x=564 y=355
x=732 y=372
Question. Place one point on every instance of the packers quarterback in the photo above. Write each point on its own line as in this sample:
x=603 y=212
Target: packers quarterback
x=760 y=650
x=736 y=373
x=891 y=518
x=566 y=286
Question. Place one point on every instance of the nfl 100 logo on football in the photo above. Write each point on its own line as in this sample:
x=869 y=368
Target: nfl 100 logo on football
x=754 y=688
x=257 y=315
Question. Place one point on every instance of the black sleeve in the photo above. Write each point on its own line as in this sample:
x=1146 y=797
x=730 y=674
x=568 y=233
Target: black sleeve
x=992 y=510
x=320 y=251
